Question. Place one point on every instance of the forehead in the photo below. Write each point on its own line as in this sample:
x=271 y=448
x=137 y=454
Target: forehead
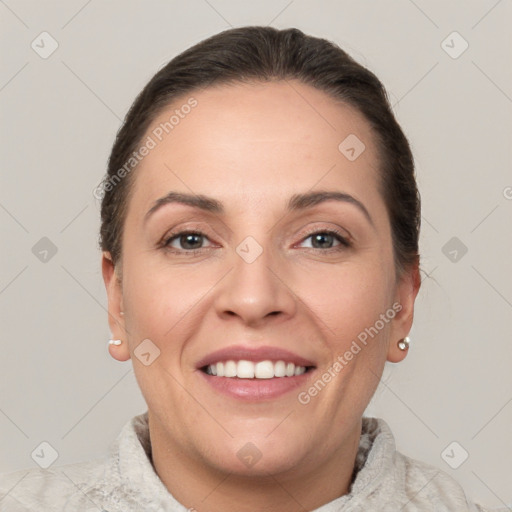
x=264 y=140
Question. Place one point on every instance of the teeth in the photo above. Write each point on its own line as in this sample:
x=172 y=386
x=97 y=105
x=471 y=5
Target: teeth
x=279 y=369
x=230 y=369
x=249 y=370
x=264 y=370
x=245 y=370
x=299 y=370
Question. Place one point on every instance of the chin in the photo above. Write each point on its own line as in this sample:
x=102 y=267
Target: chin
x=256 y=455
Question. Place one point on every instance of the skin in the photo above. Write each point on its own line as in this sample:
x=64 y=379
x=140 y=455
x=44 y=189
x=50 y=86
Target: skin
x=252 y=147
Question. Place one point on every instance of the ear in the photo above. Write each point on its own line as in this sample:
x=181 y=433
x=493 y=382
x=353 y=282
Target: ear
x=116 y=321
x=406 y=292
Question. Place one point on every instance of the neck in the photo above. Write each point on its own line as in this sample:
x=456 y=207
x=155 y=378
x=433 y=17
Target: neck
x=203 y=488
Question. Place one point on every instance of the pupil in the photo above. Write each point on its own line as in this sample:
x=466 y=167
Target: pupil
x=188 y=241
x=322 y=238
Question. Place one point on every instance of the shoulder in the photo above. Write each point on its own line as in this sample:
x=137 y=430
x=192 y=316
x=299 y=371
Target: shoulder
x=428 y=486
x=402 y=483
x=122 y=480
x=54 y=488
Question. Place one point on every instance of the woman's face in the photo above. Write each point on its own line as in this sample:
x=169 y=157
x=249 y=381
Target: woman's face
x=262 y=279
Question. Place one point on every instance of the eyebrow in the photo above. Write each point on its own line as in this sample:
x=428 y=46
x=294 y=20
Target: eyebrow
x=296 y=202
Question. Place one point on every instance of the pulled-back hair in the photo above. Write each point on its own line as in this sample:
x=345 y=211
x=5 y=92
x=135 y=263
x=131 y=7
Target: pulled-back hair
x=261 y=54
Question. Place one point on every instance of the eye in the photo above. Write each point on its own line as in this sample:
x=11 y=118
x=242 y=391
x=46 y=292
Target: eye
x=325 y=240
x=192 y=241
x=188 y=241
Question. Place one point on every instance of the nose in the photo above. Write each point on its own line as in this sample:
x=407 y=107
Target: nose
x=256 y=292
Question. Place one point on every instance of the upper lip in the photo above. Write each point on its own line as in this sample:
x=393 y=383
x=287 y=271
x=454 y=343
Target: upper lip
x=255 y=354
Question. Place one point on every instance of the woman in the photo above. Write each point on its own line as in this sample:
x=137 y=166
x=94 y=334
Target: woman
x=260 y=223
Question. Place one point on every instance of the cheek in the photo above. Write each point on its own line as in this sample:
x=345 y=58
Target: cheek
x=347 y=299
x=163 y=301
x=154 y=307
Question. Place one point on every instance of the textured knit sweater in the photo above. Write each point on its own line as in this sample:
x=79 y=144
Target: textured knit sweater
x=125 y=481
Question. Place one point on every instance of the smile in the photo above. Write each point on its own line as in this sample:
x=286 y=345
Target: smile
x=244 y=369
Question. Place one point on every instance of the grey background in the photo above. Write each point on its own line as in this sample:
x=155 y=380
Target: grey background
x=59 y=117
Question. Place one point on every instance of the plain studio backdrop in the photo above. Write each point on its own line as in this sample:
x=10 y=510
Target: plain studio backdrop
x=69 y=72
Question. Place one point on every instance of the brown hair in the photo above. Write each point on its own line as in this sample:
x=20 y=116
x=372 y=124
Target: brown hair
x=264 y=53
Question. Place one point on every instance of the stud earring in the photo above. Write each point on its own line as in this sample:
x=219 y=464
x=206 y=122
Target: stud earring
x=115 y=342
x=404 y=343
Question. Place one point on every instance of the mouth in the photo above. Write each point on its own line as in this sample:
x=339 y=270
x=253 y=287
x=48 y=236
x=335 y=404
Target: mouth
x=255 y=374
x=244 y=369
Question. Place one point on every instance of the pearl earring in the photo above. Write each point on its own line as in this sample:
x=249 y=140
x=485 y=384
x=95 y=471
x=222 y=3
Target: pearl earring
x=115 y=342
x=404 y=343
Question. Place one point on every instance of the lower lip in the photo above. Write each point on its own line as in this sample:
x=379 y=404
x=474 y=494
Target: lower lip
x=256 y=389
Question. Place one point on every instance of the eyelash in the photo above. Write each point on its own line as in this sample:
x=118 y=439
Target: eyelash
x=344 y=242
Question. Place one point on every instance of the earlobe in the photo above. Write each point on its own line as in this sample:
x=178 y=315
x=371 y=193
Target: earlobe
x=119 y=350
x=398 y=352
x=406 y=293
